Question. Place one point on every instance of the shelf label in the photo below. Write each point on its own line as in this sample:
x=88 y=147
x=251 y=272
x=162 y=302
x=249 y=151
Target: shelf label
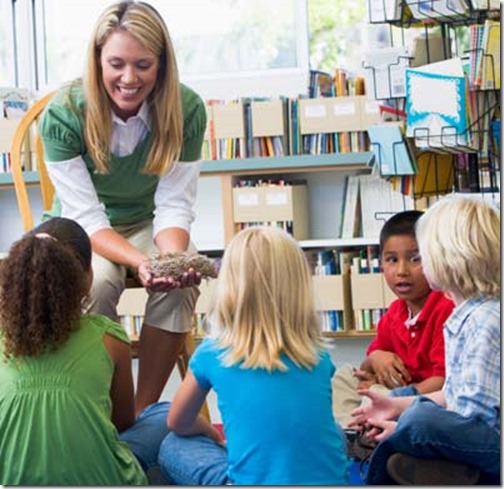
x=276 y=198
x=344 y=109
x=315 y=110
x=249 y=199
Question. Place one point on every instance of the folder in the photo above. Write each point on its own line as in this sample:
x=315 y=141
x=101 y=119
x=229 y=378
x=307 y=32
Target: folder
x=436 y=104
x=393 y=155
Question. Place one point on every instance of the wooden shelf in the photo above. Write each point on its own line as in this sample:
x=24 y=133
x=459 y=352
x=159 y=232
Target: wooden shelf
x=289 y=164
x=338 y=242
x=247 y=166
x=31 y=178
x=326 y=335
x=352 y=334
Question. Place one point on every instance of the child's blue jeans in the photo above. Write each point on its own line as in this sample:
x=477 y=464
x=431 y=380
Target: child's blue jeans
x=194 y=461
x=145 y=436
x=427 y=430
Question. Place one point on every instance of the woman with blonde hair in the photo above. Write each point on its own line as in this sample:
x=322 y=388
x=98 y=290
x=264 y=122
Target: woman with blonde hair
x=272 y=377
x=452 y=436
x=122 y=147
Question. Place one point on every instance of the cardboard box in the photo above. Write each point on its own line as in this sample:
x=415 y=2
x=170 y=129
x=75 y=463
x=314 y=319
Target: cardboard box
x=247 y=204
x=330 y=114
x=132 y=301
x=367 y=291
x=228 y=121
x=370 y=291
x=273 y=203
x=267 y=118
x=388 y=295
x=332 y=293
x=329 y=292
x=206 y=291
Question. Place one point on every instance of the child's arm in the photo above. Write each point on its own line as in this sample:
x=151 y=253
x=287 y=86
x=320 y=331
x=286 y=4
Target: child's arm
x=438 y=397
x=121 y=389
x=184 y=418
x=431 y=384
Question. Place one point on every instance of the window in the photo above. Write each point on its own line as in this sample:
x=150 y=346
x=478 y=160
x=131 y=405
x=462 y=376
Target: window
x=8 y=76
x=228 y=49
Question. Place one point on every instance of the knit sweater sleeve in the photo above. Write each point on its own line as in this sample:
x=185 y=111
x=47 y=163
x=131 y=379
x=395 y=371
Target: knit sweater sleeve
x=61 y=126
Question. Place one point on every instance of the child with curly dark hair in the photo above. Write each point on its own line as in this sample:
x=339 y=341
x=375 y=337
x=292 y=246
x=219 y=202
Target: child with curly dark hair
x=67 y=387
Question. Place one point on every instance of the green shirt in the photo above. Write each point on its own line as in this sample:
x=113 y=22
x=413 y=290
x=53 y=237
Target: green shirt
x=55 y=415
x=127 y=193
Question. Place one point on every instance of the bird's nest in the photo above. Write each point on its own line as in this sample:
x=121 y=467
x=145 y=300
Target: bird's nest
x=176 y=264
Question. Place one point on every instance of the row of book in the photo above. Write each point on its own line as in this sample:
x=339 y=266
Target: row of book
x=484 y=55
x=368 y=202
x=332 y=118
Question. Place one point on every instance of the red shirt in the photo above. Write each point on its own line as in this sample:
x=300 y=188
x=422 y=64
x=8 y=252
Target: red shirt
x=421 y=346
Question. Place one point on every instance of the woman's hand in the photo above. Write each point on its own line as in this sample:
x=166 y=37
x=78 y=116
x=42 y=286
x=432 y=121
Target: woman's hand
x=389 y=369
x=165 y=284
x=190 y=278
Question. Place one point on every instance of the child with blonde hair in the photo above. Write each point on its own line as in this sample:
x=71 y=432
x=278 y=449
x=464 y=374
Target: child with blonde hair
x=451 y=436
x=272 y=377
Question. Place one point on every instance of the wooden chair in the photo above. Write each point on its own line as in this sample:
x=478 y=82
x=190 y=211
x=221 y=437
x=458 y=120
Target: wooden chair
x=26 y=141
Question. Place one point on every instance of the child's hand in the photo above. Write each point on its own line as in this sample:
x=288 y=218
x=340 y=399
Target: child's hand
x=380 y=429
x=366 y=379
x=390 y=369
x=381 y=408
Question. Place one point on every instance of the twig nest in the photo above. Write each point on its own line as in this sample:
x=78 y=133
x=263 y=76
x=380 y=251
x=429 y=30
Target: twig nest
x=176 y=264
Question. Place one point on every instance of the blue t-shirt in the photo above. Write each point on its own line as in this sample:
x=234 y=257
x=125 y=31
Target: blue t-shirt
x=279 y=426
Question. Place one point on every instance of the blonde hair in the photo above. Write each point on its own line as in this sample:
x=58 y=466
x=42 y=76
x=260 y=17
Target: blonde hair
x=264 y=304
x=459 y=241
x=144 y=23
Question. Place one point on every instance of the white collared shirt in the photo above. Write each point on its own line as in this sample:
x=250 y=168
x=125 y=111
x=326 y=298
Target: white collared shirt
x=175 y=194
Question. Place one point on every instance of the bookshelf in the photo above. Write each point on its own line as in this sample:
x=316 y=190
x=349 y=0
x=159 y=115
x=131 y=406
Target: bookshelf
x=327 y=168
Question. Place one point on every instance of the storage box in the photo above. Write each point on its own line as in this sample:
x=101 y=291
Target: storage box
x=330 y=114
x=228 y=121
x=206 y=288
x=388 y=295
x=132 y=301
x=332 y=293
x=271 y=204
x=367 y=291
x=267 y=118
x=370 y=291
x=247 y=204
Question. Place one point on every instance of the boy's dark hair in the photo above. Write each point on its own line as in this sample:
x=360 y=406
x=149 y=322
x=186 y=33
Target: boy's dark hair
x=400 y=224
x=43 y=280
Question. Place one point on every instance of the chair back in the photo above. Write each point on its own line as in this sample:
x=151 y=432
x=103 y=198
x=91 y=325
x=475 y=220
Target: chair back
x=27 y=133
x=25 y=138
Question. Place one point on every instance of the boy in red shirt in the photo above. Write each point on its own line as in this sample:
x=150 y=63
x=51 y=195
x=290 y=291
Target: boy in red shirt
x=407 y=355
